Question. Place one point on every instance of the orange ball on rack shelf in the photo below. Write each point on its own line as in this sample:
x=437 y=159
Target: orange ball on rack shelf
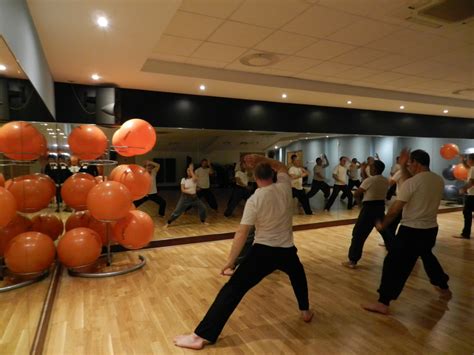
x=109 y=201
x=32 y=192
x=134 y=177
x=75 y=189
x=134 y=231
x=8 y=207
x=48 y=224
x=22 y=141
x=135 y=137
x=77 y=220
x=30 y=252
x=79 y=247
x=18 y=225
x=87 y=142
x=2 y=179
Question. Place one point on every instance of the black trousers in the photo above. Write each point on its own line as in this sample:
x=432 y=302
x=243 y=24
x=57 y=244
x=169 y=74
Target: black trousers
x=155 y=198
x=303 y=199
x=353 y=183
x=335 y=191
x=371 y=212
x=247 y=246
x=317 y=185
x=208 y=196
x=391 y=192
x=261 y=261
x=238 y=193
x=408 y=245
x=467 y=213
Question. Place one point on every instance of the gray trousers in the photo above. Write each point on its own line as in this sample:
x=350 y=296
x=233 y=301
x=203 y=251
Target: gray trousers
x=187 y=201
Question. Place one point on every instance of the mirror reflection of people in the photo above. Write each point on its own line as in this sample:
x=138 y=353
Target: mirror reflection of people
x=319 y=181
x=204 y=184
x=188 y=197
x=273 y=249
x=153 y=168
x=339 y=175
x=240 y=190
x=468 y=190
x=297 y=173
x=58 y=170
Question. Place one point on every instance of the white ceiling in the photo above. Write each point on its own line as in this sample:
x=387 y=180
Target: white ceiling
x=8 y=60
x=329 y=51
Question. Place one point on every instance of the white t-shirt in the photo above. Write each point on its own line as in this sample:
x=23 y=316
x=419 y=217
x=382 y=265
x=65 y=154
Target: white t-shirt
x=296 y=183
x=422 y=194
x=270 y=209
x=318 y=169
x=396 y=177
x=153 y=189
x=375 y=188
x=203 y=177
x=367 y=171
x=243 y=177
x=353 y=172
x=395 y=168
x=470 y=176
x=189 y=185
x=341 y=173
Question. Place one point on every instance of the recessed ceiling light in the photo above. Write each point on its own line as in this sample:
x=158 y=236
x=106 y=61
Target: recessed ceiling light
x=445 y=111
x=276 y=147
x=202 y=87
x=402 y=107
x=102 y=21
x=2 y=67
x=327 y=136
x=284 y=96
x=95 y=76
x=349 y=102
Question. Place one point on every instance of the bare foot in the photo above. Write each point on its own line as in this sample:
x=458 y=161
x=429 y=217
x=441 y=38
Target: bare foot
x=228 y=272
x=375 y=307
x=190 y=341
x=307 y=316
x=349 y=264
x=460 y=237
x=205 y=223
x=444 y=293
x=166 y=226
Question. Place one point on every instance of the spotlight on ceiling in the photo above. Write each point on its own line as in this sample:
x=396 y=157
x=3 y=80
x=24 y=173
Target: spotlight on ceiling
x=202 y=87
x=102 y=22
x=284 y=96
x=349 y=102
x=402 y=107
x=3 y=67
x=445 y=111
x=95 y=76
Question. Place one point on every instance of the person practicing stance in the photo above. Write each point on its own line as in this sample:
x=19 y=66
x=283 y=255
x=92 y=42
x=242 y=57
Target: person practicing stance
x=240 y=190
x=340 y=184
x=270 y=210
x=204 y=185
x=297 y=173
x=468 y=189
x=153 y=169
x=353 y=172
x=419 y=199
x=188 y=197
x=374 y=190
x=393 y=186
x=319 y=182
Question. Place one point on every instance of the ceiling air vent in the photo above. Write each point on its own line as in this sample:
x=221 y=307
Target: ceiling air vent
x=259 y=59
x=435 y=13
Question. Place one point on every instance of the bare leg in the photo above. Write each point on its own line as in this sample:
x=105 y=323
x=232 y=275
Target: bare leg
x=190 y=341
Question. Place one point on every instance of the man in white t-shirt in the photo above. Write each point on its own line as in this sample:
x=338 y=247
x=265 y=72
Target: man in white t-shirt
x=270 y=210
x=204 y=185
x=468 y=189
x=319 y=182
x=240 y=191
x=297 y=173
x=353 y=172
x=374 y=190
x=153 y=168
x=393 y=187
x=419 y=199
x=340 y=184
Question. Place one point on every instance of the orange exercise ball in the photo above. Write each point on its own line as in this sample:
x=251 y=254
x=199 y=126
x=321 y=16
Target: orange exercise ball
x=30 y=252
x=2 y=179
x=137 y=135
x=46 y=180
x=18 y=225
x=134 y=177
x=460 y=172
x=79 y=247
x=134 y=231
x=8 y=207
x=109 y=201
x=32 y=193
x=78 y=219
x=48 y=224
x=87 y=142
x=449 y=151
x=22 y=141
x=100 y=228
x=75 y=189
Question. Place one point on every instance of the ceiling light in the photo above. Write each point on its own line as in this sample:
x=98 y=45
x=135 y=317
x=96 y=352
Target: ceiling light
x=402 y=107
x=276 y=147
x=445 y=111
x=2 y=67
x=95 y=76
x=283 y=96
x=349 y=102
x=102 y=22
x=202 y=87
x=327 y=136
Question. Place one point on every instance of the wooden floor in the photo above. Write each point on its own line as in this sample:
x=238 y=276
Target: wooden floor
x=139 y=313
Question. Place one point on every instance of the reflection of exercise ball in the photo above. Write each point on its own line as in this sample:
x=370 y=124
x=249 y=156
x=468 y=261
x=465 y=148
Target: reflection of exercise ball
x=2 y=179
x=87 y=142
x=79 y=247
x=47 y=181
x=22 y=141
x=449 y=151
x=32 y=193
x=48 y=224
x=100 y=228
x=8 y=207
x=137 y=135
x=448 y=173
x=460 y=172
x=109 y=201
x=134 y=177
x=18 y=225
x=134 y=231
x=451 y=192
x=77 y=220
x=29 y=252
x=75 y=189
